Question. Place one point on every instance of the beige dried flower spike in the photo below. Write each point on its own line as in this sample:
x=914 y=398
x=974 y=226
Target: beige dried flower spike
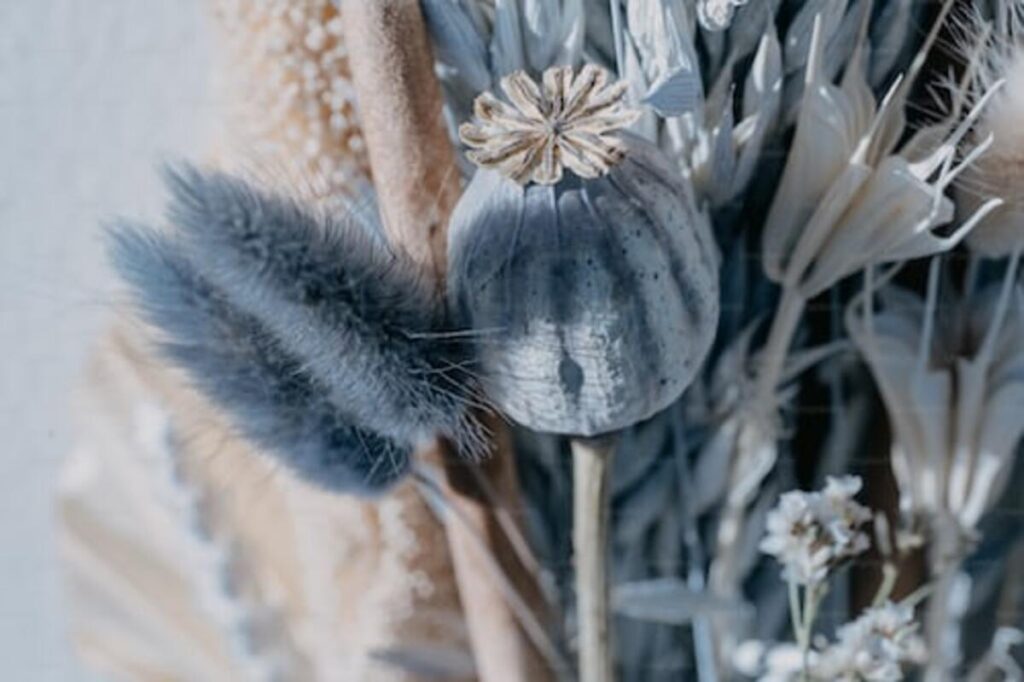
x=565 y=122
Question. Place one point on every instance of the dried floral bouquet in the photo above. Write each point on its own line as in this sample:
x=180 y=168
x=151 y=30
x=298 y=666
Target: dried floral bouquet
x=577 y=339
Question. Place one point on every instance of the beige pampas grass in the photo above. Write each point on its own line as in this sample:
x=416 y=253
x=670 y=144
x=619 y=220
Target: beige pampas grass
x=290 y=105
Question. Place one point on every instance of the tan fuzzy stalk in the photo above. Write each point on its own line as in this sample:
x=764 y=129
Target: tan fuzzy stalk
x=289 y=111
x=413 y=166
x=399 y=98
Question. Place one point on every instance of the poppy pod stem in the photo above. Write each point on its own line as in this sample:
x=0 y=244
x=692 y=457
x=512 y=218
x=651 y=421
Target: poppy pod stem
x=591 y=466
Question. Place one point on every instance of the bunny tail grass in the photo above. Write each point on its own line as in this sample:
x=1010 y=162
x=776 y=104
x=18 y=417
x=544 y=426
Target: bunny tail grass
x=351 y=312
x=236 y=362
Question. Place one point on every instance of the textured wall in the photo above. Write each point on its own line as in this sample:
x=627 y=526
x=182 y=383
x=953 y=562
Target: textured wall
x=92 y=95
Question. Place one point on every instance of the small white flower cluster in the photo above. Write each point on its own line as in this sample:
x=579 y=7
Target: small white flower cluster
x=873 y=648
x=812 y=533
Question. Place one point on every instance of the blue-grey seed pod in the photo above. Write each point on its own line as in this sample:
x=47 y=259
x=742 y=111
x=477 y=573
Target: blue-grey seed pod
x=593 y=301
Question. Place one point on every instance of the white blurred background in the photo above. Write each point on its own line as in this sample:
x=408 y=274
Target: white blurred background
x=92 y=96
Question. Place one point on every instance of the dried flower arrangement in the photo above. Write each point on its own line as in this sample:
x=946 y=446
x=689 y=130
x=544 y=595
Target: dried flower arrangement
x=699 y=246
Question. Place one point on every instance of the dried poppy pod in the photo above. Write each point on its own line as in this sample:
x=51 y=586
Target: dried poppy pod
x=578 y=258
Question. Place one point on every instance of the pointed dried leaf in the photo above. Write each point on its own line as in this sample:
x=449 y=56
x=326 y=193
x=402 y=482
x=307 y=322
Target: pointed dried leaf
x=666 y=600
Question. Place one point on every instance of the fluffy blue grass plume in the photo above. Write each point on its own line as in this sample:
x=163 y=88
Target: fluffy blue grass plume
x=321 y=344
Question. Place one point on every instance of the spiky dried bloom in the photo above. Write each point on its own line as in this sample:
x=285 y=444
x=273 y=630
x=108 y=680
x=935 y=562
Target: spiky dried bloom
x=565 y=122
x=953 y=389
x=853 y=194
x=999 y=46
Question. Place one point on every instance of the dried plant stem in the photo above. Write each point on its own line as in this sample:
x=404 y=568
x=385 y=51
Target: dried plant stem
x=802 y=614
x=762 y=415
x=769 y=376
x=773 y=356
x=591 y=464
x=414 y=171
x=942 y=619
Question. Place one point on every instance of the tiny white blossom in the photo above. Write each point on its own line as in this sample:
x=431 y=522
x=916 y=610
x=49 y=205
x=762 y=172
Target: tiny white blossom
x=794 y=538
x=873 y=648
x=770 y=662
x=842 y=516
x=811 y=533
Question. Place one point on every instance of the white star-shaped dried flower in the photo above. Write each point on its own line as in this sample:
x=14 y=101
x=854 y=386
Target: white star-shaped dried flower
x=565 y=122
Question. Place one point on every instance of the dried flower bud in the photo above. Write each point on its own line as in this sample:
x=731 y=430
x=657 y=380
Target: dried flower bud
x=593 y=294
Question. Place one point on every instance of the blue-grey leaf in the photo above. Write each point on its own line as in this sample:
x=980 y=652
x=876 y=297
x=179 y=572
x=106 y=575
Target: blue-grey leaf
x=723 y=154
x=797 y=44
x=647 y=125
x=458 y=42
x=541 y=29
x=842 y=43
x=763 y=86
x=889 y=39
x=667 y=600
x=573 y=33
x=507 y=40
x=750 y=23
x=676 y=93
x=427 y=661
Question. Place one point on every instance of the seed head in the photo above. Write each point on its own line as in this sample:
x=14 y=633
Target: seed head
x=565 y=122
